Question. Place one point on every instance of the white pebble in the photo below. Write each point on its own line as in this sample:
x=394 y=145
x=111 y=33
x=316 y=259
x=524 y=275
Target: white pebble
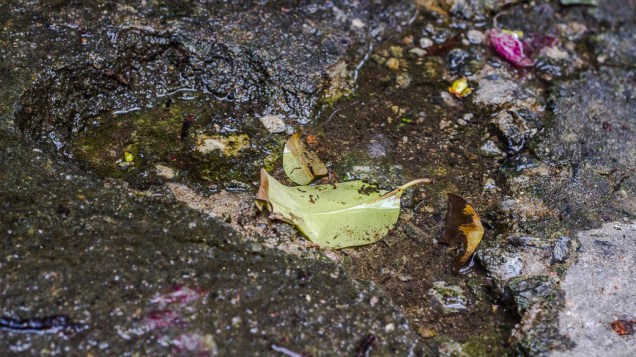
x=426 y=42
x=475 y=36
x=273 y=123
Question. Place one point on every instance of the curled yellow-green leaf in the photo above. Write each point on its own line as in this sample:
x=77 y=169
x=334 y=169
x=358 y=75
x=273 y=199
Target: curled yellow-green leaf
x=301 y=165
x=460 y=88
x=341 y=215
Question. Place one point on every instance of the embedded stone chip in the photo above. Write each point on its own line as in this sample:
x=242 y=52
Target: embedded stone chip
x=273 y=123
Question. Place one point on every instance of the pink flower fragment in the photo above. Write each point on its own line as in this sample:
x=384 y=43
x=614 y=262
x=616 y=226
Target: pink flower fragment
x=170 y=306
x=181 y=295
x=159 y=319
x=509 y=47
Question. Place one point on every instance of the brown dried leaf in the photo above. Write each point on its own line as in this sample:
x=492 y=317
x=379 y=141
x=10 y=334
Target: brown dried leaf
x=463 y=227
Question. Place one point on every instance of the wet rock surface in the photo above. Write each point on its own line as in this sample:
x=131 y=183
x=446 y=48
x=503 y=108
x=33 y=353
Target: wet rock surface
x=96 y=252
x=132 y=133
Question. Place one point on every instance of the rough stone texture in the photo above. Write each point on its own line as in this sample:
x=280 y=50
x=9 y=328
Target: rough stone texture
x=102 y=257
x=615 y=48
x=494 y=90
x=99 y=251
x=538 y=300
x=513 y=129
x=599 y=289
x=490 y=149
x=449 y=298
x=273 y=123
x=261 y=58
x=593 y=147
x=102 y=250
x=499 y=264
x=561 y=250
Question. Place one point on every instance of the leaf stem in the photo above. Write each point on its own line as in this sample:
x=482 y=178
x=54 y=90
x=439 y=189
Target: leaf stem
x=401 y=188
x=413 y=183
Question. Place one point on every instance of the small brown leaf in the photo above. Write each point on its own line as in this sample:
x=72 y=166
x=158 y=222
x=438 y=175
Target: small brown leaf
x=463 y=227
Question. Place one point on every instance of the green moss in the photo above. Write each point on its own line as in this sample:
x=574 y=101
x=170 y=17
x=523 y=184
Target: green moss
x=270 y=161
x=129 y=146
x=486 y=345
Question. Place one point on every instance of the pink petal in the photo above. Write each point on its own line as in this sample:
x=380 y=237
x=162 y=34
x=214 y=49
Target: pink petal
x=509 y=47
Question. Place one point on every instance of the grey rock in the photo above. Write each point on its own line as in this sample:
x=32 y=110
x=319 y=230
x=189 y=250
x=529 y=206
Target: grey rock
x=403 y=80
x=476 y=8
x=538 y=300
x=600 y=288
x=113 y=250
x=273 y=123
x=458 y=59
x=490 y=149
x=448 y=99
x=449 y=298
x=495 y=90
x=526 y=241
x=508 y=205
x=530 y=290
x=418 y=52
x=425 y=42
x=501 y=264
x=596 y=151
x=513 y=129
x=475 y=36
x=561 y=250
x=490 y=185
x=450 y=348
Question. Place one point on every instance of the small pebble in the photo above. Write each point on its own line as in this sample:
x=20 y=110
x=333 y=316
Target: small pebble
x=357 y=23
x=426 y=42
x=490 y=184
x=417 y=52
x=426 y=332
x=374 y=300
x=396 y=51
x=403 y=80
x=164 y=171
x=273 y=123
x=475 y=37
x=393 y=64
x=490 y=149
x=448 y=99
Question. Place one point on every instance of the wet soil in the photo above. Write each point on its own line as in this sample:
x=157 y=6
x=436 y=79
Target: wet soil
x=368 y=131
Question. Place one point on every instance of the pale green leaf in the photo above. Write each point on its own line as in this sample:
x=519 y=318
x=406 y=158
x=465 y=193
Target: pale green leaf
x=338 y=216
x=301 y=165
x=580 y=2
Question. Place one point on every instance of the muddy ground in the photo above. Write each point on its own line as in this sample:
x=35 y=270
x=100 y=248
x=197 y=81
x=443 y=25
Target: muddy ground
x=131 y=141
